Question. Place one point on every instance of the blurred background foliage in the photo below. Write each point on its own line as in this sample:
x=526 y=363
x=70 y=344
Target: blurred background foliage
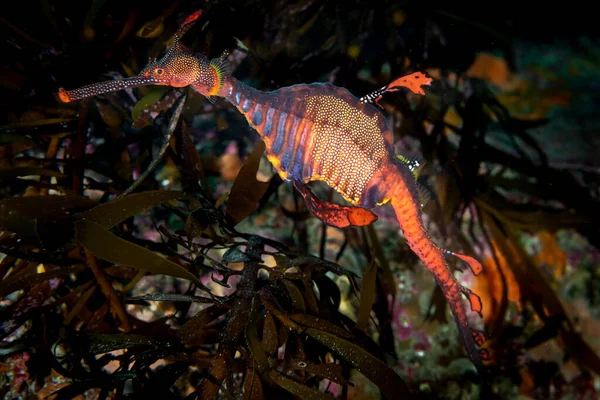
x=147 y=248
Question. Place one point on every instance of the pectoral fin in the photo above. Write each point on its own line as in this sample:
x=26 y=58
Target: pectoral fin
x=475 y=265
x=333 y=214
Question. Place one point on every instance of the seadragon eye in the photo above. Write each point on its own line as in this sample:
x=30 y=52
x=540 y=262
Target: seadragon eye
x=158 y=71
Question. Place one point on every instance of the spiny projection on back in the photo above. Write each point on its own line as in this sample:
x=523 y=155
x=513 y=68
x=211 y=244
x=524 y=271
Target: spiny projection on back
x=322 y=132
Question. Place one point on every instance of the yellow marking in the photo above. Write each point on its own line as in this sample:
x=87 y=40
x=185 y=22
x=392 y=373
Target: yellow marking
x=221 y=199
x=217 y=86
x=384 y=201
x=277 y=165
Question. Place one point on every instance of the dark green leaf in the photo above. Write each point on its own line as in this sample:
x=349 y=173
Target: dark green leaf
x=11 y=138
x=152 y=29
x=35 y=123
x=290 y=261
x=193 y=169
x=247 y=190
x=174 y=297
x=309 y=298
x=192 y=331
x=206 y=221
x=110 y=115
x=110 y=214
x=295 y=295
x=103 y=343
x=377 y=250
x=321 y=324
x=281 y=316
x=198 y=221
x=103 y=244
x=367 y=296
x=333 y=372
x=28 y=171
x=40 y=207
x=329 y=294
x=298 y=389
x=390 y=383
x=147 y=109
x=20 y=214
x=258 y=352
x=147 y=101
x=269 y=336
x=252 y=385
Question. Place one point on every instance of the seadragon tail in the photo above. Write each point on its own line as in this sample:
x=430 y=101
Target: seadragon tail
x=409 y=218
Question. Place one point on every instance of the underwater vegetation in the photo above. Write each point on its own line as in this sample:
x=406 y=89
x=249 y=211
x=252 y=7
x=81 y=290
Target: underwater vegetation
x=149 y=248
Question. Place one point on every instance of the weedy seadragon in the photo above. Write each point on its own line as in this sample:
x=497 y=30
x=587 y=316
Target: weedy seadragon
x=322 y=132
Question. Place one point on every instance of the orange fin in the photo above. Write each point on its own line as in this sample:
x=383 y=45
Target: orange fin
x=475 y=265
x=474 y=300
x=333 y=214
x=484 y=354
x=188 y=22
x=424 y=194
x=412 y=82
x=478 y=337
x=63 y=95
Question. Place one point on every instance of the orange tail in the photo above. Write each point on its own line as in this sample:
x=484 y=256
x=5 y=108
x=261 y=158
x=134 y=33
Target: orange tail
x=408 y=214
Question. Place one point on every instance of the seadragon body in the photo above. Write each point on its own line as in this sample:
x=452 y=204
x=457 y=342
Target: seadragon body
x=322 y=132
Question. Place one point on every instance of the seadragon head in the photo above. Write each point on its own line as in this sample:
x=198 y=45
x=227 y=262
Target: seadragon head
x=179 y=67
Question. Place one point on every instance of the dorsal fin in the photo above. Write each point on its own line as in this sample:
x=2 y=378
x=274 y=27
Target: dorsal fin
x=223 y=69
x=415 y=164
x=190 y=20
x=424 y=194
x=221 y=64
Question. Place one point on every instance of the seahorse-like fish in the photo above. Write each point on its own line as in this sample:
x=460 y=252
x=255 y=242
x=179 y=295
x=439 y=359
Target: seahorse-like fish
x=322 y=132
